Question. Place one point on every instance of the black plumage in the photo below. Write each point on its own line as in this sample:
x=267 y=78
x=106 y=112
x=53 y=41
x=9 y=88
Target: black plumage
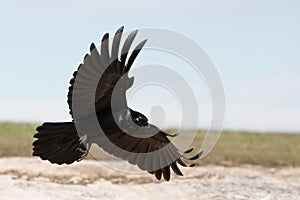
x=61 y=143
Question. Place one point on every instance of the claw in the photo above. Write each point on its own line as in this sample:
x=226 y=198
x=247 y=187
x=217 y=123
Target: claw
x=84 y=151
x=84 y=148
x=82 y=156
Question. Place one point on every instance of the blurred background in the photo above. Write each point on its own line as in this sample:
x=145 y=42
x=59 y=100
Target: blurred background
x=254 y=45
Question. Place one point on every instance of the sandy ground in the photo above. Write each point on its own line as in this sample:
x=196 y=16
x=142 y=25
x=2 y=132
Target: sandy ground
x=31 y=178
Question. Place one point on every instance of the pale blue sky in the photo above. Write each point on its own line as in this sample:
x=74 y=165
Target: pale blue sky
x=255 y=46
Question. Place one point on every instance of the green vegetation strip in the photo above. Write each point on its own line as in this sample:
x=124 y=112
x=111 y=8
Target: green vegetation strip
x=233 y=148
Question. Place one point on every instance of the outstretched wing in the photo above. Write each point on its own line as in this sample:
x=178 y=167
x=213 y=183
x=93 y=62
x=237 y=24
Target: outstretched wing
x=94 y=81
x=146 y=146
x=92 y=88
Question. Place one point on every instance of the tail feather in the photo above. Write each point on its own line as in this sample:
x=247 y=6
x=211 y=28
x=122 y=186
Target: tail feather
x=59 y=143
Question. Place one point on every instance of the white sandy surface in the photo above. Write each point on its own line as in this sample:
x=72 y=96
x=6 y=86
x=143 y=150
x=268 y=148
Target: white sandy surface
x=31 y=178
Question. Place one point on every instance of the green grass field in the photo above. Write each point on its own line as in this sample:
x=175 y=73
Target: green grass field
x=16 y=139
x=266 y=149
x=233 y=148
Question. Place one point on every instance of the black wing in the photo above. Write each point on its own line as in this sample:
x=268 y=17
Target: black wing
x=100 y=72
x=155 y=154
x=147 y=147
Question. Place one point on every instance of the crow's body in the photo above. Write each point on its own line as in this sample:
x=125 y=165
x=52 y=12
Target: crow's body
x=61 y=142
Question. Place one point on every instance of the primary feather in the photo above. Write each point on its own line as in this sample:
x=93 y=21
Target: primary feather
x=92 y=88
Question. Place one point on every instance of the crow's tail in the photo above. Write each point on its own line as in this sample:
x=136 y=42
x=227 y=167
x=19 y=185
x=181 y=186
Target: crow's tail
x=59 y=143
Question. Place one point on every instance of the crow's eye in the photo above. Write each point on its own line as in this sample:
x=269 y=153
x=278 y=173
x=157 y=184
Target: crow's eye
x=137 y=119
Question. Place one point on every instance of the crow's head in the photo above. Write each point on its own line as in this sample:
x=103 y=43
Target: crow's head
x=138 y=118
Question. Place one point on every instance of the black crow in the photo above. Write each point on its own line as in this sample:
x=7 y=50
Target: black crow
x=126 y=133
